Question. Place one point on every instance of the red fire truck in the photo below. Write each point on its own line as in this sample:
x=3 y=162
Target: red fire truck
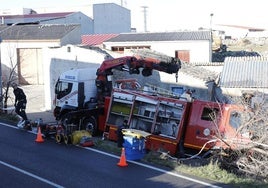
x=168 y=123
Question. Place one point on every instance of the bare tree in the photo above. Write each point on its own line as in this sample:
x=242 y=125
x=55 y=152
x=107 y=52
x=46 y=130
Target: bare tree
x=9 y=81
x=9 y=77
x=250 y=159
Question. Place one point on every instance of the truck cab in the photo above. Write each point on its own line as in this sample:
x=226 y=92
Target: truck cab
x=213 y=125
x=75 y=89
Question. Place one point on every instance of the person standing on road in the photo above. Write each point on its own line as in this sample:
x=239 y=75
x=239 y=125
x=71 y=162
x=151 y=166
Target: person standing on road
x=20 y=102
x=120 y=135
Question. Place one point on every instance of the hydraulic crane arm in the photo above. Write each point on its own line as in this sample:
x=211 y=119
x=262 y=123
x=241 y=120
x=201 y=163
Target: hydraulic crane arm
x=133 y=64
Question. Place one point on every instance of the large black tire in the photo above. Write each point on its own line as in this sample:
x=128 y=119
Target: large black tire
x=90 y=124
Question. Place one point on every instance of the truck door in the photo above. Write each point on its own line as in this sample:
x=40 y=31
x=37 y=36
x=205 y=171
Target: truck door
x=202 y=125
x=234 y=133
x=62 y=89
x=81 y=94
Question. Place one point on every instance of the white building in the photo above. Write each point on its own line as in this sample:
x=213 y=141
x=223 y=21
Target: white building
x=188 y=46
x=21 y=48
x=111 y=18
x=107 y=18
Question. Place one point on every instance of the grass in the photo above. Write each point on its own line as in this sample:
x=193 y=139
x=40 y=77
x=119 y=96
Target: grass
x=106 y=145
x=9 y=117
x=204 y=168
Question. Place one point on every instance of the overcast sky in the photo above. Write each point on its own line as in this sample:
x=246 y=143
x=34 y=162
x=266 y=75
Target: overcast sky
x=168 y=15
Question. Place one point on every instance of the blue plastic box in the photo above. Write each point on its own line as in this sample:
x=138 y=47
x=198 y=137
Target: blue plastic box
x=134 y=148
x=133 y=142
x=134 y=154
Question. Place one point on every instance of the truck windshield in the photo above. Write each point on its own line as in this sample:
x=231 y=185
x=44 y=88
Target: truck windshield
x=63 y=88
x=235 y=119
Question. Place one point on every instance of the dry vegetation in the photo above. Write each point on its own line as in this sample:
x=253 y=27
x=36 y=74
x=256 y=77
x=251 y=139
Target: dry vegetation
x=252 y=159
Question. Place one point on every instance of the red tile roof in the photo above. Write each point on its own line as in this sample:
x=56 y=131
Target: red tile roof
x=96 y=39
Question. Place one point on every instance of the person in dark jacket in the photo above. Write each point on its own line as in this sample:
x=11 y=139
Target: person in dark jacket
x=120 y=135
x=20 y=102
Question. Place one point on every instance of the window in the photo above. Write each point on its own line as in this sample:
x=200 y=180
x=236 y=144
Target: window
x=177 y=90
x=122 y=48
x=63 y=88
x=209 y=114
x=235 y=119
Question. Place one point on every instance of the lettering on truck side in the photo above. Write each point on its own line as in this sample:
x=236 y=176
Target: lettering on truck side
x=69 y=77
x=69 y=96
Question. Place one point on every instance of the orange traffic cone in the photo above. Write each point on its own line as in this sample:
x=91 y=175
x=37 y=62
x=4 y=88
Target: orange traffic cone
x=39 y=137
x=122 y=161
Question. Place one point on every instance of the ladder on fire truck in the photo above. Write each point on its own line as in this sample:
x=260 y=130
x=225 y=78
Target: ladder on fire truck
x=155 y=90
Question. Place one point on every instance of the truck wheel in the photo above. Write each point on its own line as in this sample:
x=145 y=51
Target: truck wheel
x=67 y=139
x=66 y=119
x=59 y=138
x=90 y=125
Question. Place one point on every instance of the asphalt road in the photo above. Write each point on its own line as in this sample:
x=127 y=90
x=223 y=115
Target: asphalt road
x=26 y=163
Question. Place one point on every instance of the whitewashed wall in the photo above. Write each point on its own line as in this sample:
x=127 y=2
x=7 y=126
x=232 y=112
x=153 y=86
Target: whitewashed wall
x=111 y=18
x=199 y=50
x=9 y=52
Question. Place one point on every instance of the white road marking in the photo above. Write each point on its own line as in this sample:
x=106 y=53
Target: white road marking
x=31 y=175
x=154 y=168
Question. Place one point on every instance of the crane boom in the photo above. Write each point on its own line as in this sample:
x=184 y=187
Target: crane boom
x=132 y=64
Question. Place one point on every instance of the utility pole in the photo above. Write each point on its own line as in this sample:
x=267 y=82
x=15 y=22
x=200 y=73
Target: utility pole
x=123 y=3
x=211 y=36
x=145 y=17
x=211 y=15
